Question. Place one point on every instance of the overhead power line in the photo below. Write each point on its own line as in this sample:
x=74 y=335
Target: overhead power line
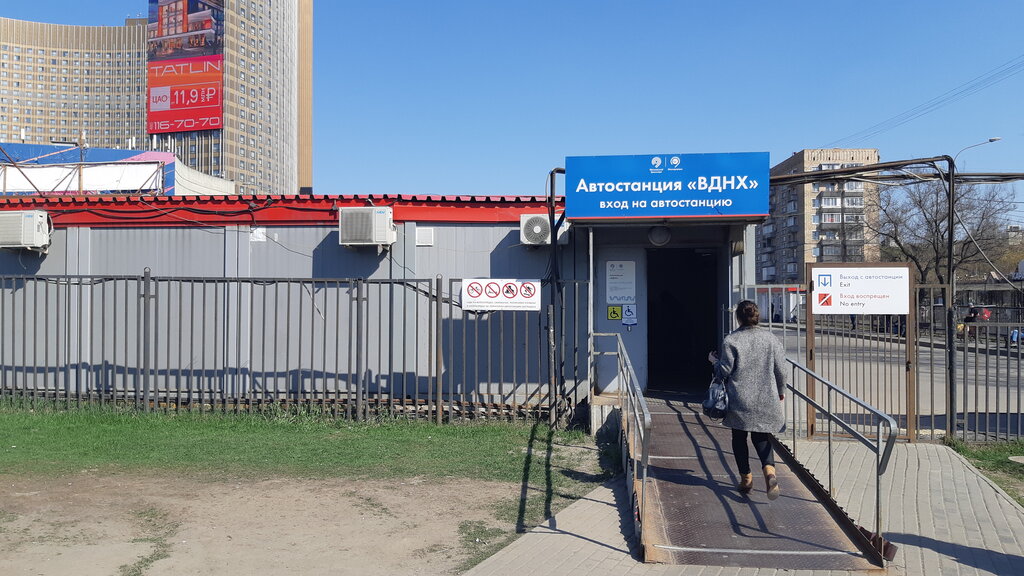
x=990 y=78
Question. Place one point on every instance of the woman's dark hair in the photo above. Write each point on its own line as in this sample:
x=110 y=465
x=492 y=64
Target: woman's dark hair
x=747 y=313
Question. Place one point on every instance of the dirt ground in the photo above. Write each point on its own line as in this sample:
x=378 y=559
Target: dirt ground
x=93 y=524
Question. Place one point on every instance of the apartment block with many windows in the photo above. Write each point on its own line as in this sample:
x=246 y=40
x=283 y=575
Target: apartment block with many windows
x=818 y=222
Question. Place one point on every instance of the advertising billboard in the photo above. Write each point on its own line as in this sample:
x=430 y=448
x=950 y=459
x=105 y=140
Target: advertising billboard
x=185 y=69
x=732 y=185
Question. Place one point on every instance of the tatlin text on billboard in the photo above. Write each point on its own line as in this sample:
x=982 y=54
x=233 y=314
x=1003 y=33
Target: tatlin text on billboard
x=185 y=65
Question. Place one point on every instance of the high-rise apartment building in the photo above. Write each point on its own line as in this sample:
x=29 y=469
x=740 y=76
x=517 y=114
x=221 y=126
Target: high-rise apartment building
x=59 y=83
x=225 y=85
x=818 y=222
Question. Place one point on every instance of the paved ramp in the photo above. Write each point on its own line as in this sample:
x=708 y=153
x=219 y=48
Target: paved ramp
x=694 y=515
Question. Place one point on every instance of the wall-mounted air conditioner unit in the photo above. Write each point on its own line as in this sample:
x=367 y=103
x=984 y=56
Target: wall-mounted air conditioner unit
x=28 y=229
x=369 y=226
x=535 y=230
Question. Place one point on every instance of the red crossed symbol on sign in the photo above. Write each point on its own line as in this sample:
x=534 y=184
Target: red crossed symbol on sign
x=491 y=290
x=825 y=299
x=510 y=290
x=475 y=289
x=526 y=290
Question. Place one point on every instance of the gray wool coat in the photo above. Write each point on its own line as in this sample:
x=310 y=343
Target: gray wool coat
x=752 y=364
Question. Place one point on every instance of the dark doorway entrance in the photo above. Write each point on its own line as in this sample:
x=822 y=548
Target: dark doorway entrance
x=682 y=304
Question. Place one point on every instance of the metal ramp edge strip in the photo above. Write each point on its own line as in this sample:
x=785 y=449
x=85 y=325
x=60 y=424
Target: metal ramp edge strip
x=876 y=548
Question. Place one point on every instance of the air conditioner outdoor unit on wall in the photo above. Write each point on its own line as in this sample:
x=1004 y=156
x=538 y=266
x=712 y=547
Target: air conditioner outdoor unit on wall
x=535 y=230
x=28 y=229
x=369 y=226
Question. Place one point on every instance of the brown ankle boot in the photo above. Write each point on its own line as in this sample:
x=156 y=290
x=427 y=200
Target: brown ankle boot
x=771 y=482
x=746 y=483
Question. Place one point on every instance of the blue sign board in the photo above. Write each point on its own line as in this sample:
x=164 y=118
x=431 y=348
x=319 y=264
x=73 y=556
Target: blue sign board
x=667 y=186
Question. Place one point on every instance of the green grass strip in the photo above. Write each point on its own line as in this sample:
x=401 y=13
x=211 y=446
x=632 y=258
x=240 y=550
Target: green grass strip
x=993 y=460
x=53 y=442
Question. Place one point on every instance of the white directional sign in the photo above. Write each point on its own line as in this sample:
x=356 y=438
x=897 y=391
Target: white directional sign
x=882 y=290
x=500 y=294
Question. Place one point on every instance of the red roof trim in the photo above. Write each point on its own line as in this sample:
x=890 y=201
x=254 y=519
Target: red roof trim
x=266 y=210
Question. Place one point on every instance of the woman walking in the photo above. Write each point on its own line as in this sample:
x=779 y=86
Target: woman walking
x=752 y=365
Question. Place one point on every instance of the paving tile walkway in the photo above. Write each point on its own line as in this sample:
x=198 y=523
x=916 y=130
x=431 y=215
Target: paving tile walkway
x=946 y=518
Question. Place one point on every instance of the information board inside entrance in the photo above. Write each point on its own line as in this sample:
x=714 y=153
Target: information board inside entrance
x=842 y=290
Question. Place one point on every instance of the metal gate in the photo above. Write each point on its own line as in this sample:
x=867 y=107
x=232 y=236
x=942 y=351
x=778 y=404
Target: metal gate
x=899 y=363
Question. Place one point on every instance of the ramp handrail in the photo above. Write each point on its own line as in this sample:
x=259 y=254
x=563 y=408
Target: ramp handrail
x=882 y=445
x=636 y=425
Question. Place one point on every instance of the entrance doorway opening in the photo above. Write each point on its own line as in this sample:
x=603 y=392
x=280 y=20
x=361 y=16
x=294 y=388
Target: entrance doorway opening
x=682 y=305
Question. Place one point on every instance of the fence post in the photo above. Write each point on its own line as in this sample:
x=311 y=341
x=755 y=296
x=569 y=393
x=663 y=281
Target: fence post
x=552 y=400
x=147 y=279
x=949 y=297
x=359 y=342
x=438 y=352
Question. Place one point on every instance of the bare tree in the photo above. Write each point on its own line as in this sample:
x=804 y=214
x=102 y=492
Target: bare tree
x=911 y=223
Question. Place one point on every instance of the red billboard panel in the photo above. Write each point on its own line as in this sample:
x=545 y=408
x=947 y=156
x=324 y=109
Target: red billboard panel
x=186 y=94
x=186 y=63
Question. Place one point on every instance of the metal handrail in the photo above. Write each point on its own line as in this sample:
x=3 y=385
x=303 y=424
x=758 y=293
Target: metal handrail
x=636 y=425
x=881 y=448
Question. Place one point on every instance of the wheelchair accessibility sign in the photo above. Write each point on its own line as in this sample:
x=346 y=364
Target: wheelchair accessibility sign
x=625 y=312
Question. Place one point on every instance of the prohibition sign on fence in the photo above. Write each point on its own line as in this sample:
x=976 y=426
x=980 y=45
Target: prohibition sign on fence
x=500 y=294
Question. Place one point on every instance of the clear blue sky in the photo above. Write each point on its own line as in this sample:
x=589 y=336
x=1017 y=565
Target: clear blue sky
x=484 y=97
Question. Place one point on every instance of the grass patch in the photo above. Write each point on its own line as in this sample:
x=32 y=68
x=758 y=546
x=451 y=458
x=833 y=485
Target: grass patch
x=157 y=527
x=480 y=541
x=993 y=460
x=54 y=442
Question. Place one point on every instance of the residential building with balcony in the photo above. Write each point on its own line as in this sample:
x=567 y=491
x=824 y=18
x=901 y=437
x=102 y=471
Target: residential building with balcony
x=821 y=221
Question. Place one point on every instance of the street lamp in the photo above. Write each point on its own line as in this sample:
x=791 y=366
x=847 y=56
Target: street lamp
x=951 y=282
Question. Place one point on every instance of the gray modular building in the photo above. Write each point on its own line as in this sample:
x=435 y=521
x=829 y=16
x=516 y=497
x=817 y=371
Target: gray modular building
x=359 y=304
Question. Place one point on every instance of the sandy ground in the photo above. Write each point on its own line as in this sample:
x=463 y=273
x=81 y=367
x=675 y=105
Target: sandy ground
x=97 y=524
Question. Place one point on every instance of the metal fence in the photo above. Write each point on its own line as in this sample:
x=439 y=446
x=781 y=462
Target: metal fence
x=898 y=363
x=347 y=347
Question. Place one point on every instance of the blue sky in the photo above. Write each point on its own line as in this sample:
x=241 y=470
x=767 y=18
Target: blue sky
x=477 y=97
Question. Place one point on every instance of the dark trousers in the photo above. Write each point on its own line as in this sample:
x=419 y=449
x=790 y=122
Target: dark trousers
x=762 y=445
